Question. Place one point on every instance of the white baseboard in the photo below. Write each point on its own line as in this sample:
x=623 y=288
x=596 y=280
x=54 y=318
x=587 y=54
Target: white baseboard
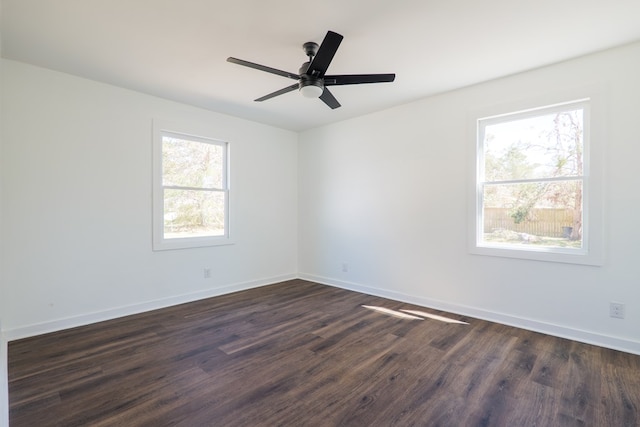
x=86 y=319
x=587 y=337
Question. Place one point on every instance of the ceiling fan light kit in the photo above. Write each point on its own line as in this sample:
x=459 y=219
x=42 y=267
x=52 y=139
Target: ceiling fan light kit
x=312 y=81
x=311 y=89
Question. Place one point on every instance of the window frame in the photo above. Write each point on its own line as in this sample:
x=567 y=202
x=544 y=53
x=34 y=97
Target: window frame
x=592 y=250
x=197 y=134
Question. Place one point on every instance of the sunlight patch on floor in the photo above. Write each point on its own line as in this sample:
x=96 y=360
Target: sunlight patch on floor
x=393 y=313
x=436 y=317
x=413 y=314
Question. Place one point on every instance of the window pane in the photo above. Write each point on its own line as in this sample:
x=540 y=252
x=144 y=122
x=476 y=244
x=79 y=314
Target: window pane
x=191 y=163
x=189 y=213
x=545 y=214
x=546 y=146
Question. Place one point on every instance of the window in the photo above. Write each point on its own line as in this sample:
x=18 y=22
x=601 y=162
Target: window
x=532 y=185
x=191 y=190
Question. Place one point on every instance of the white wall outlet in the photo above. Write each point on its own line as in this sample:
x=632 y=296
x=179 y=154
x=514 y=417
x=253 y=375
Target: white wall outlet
x=616 y=310
x=345 y=267
x=207 y=273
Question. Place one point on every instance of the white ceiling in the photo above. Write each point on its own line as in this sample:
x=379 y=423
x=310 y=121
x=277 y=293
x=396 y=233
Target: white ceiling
x=177 y=49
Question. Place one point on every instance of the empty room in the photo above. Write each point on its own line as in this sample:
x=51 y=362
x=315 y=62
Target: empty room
x=350 y=213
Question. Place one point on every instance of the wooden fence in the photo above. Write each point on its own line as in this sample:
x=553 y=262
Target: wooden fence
x=541 y=222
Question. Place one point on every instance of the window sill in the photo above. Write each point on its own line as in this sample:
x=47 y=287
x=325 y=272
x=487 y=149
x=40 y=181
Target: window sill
x=567 y=256
x=191 y=243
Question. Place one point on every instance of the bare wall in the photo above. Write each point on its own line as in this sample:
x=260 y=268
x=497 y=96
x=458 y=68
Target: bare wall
x=76 y=197
x=387 y=194
x=4 y=389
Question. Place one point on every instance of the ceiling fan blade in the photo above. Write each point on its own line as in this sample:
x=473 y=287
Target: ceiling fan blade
x=325 y=54
x=263 y=68
x=355 y=79
x=278 y=92
x=328 y=98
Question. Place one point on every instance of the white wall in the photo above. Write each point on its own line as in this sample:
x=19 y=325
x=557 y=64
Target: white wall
x=387 y=194
x=76 y=197
x=4 y=385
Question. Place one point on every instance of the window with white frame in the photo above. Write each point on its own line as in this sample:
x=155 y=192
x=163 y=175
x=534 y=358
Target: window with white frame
x=191 y=190
x=532 y=184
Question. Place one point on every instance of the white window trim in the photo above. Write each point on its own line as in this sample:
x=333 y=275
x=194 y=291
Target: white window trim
x=592 y=252
x=196 y=133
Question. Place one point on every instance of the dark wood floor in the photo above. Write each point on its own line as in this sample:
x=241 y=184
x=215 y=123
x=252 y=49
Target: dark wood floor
x=303 y=354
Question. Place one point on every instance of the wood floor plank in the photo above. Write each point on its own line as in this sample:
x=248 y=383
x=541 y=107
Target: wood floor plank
x=620 y=396
x=299 y=353
x=582 y=380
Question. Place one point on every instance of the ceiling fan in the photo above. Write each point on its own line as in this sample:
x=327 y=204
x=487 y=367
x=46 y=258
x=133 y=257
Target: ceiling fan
x=312 y=80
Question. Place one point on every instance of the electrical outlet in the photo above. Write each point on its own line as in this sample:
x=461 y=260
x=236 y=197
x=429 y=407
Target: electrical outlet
x=345 y=267
x=207 y=273
x=616 y=310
